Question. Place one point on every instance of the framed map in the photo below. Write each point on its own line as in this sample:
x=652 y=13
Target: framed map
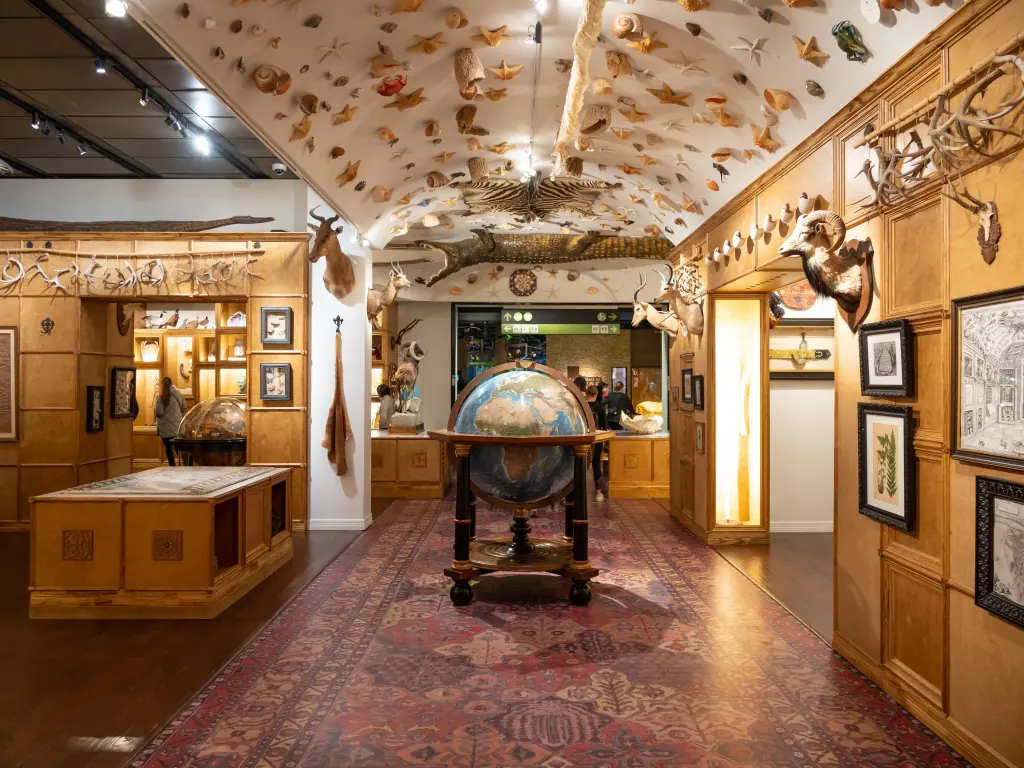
x=8 y=383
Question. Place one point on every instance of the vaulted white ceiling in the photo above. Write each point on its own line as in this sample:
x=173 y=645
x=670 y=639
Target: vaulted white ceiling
x=661 y=152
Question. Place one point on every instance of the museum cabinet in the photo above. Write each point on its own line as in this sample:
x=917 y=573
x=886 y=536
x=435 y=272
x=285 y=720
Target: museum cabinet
x=638 y=466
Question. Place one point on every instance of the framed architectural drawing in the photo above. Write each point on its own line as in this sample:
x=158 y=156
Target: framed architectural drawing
x=8 y=383
x=698 y=393
x=275 y=381
x=276 y=325
x=687 y=386
x=886 y=359
x=999 y=542
x=885 y=453
x=122 y=392
x=94 y=406
x=698 y=431
x=987 y=421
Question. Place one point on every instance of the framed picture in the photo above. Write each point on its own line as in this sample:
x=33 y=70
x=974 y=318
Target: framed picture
x=885 y=453
x=9 y=383
x=698 y=392
x=886 y=359
x=275 y=381
x=675 y=398
x=698 y=432
x=999 y=542
x=122 y=392
x=276 y=325
x=688 y=386
x=94 y=401
x=987 y=422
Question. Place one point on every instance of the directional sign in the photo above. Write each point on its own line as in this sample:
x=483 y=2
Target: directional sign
x=586 y=322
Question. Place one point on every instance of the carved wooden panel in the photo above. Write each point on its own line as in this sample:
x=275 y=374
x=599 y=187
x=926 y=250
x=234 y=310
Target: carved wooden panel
x=167 y=545
x=62 y=338
x=660 y=461
x=914 y=260
x=277 y=435
x=76 y=545
x=630 y=461
x=383 y=453
x=914 y=629
x=418 y=461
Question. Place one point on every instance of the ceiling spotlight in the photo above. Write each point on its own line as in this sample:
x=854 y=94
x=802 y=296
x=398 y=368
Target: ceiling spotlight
x=542 y=6
x=115 y=8
x=35 y=121
x=101 y=66
x=201 y=144
x=144 y=98
x=46 y=127
x=81 y=150
x=60 y=135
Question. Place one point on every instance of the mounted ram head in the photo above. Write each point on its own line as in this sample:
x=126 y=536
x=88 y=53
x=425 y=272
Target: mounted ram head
x=816 y=239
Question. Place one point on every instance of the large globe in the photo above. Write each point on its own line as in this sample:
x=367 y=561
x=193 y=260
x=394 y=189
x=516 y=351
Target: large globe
x=521 y=402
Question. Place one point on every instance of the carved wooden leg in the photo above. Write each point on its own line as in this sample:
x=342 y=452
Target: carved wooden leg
x=460 y=572
x=579 y=510
x=568 y=516
x=472 y=516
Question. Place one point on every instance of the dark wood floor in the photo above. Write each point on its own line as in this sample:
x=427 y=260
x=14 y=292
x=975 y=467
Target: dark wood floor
x=795 y=569
x=86 y=694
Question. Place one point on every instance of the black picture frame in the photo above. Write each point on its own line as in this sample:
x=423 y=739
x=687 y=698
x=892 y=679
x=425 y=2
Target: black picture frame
x=118 y=410
x=265 y=313
x=908 y=520
x=687 y=384
x=95 y=406
x=266 y=368
x=905 y=349
x=986 y=596
x=971 y=372
x=698 y=393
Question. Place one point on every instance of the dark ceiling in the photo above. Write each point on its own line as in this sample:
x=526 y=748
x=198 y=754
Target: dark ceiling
x=47 y=65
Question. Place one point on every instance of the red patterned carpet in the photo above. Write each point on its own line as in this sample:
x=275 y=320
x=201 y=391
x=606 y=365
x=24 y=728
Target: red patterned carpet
x=678 y=661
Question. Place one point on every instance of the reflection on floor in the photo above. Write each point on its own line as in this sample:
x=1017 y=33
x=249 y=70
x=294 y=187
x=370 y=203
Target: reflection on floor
x=795 y=569
x=679 y=660
x=86 y=694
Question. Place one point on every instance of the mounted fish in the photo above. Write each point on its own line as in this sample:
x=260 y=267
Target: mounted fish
x=849 y=41
x=469 y=73
x=340 y=276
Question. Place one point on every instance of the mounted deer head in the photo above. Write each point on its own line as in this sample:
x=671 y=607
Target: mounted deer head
x=340 y=276
x=989 y=229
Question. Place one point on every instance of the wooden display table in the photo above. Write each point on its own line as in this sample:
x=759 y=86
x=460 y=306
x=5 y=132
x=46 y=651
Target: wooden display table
x=407 y=466
x=638 y=466
x=567 y=556
x=170 y=543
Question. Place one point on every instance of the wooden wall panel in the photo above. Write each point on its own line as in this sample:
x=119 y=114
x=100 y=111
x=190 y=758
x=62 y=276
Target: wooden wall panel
x=92 y=472
x=92 y=333
x=299 y=386
x=277 y=436
x=914 y=630
x=63 y=312
x=285 y=273
x=35 y=481
x=740 y=261
x=49 y=437
x=813 y=175
x=118 y=467
x=8 y=494
x=94 y=564
x=48 y=381
x=924 y=545
x=297 y=305
x=914 y=260
x=931 y=409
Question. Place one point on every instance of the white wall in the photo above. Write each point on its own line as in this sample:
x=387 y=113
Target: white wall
x=802 y=444
x=434 y=333
x=143 y=199
x=340 y=503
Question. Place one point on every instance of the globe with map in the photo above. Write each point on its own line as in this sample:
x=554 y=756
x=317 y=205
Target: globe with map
x=520 y=402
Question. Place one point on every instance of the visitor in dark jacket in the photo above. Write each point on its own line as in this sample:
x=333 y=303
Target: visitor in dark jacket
x=598 y=407
x=616 y=404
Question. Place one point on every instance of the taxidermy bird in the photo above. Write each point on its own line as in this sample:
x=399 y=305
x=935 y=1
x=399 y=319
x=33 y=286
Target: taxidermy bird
x=849 y=41
x=722 y=172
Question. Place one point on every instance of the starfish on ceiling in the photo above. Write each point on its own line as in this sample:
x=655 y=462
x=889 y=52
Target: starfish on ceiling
x=755 y=49
x=685 y=65
x=332 y=50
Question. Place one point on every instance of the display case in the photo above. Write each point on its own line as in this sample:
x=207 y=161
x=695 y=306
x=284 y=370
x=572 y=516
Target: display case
x=213 y=433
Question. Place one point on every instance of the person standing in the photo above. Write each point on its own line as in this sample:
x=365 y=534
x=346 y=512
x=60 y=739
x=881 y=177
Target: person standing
x=597 y=406
x=616 y=404
x=169 y=410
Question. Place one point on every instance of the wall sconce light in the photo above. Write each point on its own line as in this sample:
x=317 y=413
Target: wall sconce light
x=804 y=204
x=769 y=223
x=786 y=214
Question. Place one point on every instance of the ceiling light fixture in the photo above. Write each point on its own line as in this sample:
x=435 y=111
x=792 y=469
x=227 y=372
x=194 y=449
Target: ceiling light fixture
x=46 y=127
x=35 y=121
x=81 y=150
x=115 y=8
x=201 y=144
x=101 y=66
x=60 y=135
x=144 y=98
x=542 y=6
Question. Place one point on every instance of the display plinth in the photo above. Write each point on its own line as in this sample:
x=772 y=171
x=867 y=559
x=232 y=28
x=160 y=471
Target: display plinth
x=568 y=557
x=169 y=543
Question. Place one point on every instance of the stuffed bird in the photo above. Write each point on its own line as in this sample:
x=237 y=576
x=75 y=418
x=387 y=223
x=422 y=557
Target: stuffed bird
x=849 y=41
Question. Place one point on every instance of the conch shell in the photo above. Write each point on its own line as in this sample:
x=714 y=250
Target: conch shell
x=455 y=19
x=271 y=80
x=584 y=144
x=627 y=25
x=430 y=220
x=778 y=99
x=436 y=179
x=308 y=103
x=381 y=65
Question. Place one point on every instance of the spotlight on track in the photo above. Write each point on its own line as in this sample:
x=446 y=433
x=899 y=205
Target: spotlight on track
x=101 y=66
x=144 y=97
x=46 y=128
x=60 y=136
x=115 y=8
x=81 y=150
x=35 y=121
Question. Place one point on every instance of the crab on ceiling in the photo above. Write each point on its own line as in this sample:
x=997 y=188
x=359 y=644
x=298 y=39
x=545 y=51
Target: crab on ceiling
x=393 y=111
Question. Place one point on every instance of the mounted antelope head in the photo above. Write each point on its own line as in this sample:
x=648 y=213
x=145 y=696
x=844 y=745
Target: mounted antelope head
x=339 y=277
x=378 y=301
x=662 y=321
x=681 y=291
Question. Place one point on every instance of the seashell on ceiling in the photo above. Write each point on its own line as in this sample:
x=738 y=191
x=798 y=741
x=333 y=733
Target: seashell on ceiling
x=362 y=99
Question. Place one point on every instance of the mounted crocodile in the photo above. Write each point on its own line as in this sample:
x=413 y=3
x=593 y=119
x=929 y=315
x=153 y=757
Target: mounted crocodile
x=8 y=224
x=487 y=248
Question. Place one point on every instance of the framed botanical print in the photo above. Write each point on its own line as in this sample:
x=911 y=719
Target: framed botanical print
x=698 y=393
x=698 y=432
x=122 y=392
x=276 y=325
x=987 y=421
x=999 y=542
x=687 y=386
x=275 y=381
x=886 y=359
x=94 y=407
x=887 y=477
x=9 y=383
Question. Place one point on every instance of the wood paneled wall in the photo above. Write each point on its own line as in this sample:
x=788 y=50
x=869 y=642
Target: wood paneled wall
x=53 y=450
x=904 y=602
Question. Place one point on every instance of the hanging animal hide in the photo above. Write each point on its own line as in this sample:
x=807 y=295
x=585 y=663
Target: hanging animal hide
x=338 y=430
x=535 y=199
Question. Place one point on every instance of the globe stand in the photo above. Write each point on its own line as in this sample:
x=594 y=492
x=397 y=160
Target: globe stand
x=566 y=556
